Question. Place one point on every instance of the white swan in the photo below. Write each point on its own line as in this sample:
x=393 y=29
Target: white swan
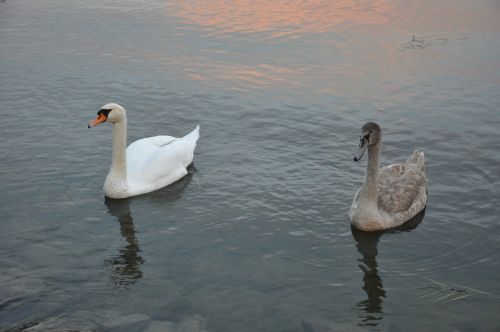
x=147 y=164
x=391 y=195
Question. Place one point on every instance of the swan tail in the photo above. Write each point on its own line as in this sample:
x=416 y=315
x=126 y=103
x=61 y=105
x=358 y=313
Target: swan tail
x=190 y=144
x=416 y=160
x=193 y=135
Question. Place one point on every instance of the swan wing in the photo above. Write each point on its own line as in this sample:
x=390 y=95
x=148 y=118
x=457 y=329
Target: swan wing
x=398 y=185
x=141 y=150
x=155 y=162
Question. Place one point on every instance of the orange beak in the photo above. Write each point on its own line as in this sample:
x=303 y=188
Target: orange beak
x=100 y=119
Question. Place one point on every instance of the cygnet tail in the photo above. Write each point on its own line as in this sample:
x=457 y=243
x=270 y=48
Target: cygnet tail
x=416 y=161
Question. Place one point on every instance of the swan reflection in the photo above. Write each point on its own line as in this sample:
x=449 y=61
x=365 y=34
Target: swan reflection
x=172 y=192
x=370 y=309
x=126 y=266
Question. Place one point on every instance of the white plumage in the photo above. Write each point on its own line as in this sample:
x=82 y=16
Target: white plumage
x=147 y=164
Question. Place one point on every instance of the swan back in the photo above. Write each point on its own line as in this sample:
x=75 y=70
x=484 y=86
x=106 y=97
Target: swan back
x=398 y=185
x=158 y=161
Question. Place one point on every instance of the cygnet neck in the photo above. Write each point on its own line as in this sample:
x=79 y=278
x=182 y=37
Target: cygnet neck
x=369 y=191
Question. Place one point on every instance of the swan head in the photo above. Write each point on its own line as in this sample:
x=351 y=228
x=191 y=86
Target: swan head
x=110 y=112
x=370 y=135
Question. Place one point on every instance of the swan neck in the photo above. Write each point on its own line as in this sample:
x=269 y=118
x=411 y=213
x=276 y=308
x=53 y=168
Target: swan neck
x=372 y=167
x=119 y=157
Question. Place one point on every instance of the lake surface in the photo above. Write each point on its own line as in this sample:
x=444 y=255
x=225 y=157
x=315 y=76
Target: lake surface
x=256 y=238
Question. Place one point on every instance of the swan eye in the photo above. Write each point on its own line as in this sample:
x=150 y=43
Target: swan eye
x=103 y=111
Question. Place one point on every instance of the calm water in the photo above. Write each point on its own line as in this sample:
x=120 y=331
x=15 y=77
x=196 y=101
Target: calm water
x=256 y=238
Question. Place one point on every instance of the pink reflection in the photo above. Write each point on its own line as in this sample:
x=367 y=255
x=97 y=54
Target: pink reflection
x=280 y=18
x=241 y=77
x=270 y=20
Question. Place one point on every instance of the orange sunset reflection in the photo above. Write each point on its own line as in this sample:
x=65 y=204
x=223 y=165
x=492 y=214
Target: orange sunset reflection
x=343 y=47
x=281 y=18
x=272 y=22
x=241 y=77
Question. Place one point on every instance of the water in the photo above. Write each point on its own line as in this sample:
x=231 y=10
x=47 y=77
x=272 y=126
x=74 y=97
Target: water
x=256 y=238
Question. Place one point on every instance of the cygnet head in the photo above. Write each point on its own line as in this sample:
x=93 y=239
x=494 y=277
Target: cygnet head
x=110 y=112
x=370 y=135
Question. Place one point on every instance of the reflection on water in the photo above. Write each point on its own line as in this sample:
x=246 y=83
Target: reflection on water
x=370 y=310
x=174 y=191
x=242 y=76
x=126 y=266
x=281 y=18
x=330 y=47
